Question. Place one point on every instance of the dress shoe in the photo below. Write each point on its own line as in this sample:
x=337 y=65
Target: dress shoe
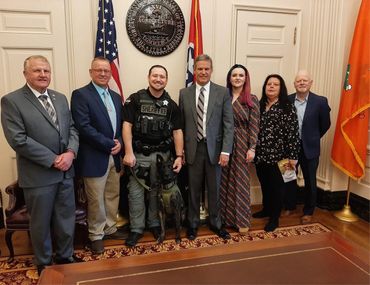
x=40 y=268
x=156 y=231
x=77 y=259
x=306 y=219
x=133 y=238
x=192 y=233
x=97 y=246
x=222 y=233
x=72 y=259
x=260 y=215
x=116 y=235
x=271 y=225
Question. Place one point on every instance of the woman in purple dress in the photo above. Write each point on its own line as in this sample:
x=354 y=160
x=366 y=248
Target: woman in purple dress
x=235 y=182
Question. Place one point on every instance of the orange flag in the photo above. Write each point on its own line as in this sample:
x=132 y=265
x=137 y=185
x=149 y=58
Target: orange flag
x=351 y=132
x=195 y=45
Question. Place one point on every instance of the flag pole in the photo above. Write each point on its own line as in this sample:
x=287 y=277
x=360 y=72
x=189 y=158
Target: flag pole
x=346 y=214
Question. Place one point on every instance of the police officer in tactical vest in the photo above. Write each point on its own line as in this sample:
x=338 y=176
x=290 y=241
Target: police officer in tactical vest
x=152 y=124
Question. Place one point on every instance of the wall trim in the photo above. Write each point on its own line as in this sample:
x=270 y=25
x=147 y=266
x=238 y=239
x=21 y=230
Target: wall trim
x=2 y=208
x=334 y=201
x=70 y=41
x=238 y=7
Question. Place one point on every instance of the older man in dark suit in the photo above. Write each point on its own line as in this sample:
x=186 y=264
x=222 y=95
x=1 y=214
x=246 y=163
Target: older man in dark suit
x=209 y=128
x=313 y=114
x=96 y=110
x=37 y=124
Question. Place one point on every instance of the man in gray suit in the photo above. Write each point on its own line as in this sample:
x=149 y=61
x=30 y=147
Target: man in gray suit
x=209 y=128
x=37 y=124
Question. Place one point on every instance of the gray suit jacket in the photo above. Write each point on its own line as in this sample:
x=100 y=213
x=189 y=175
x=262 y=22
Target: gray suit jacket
x=219 y=122
x=34 y=137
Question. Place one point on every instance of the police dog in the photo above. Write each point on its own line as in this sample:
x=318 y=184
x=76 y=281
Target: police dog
x=170 y=202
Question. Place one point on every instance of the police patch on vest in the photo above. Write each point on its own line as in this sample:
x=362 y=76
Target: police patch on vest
x=152 y=109
x=155 y=27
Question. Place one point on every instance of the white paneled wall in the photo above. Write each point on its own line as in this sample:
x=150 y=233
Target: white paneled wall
x=65 y=32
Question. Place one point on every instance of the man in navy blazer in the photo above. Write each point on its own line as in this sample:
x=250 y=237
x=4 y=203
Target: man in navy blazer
x=97 y=112
x=313 y=114
x=45 y=145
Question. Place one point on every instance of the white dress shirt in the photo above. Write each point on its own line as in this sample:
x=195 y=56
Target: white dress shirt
x=37 y=94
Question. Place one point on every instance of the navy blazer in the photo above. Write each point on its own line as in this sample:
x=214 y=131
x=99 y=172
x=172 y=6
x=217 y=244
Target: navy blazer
x=95 y=129
x=316 y=122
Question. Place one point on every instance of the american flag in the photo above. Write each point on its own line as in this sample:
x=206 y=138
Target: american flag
x=195 y=45
x=106 y=45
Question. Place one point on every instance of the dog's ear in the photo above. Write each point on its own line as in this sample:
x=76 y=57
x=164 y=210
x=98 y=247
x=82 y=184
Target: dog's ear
x=159 y=158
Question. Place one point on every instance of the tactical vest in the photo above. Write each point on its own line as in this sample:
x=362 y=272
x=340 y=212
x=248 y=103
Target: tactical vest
x=152 y=122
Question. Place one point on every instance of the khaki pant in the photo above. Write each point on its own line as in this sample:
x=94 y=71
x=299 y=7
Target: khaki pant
x=102 y=202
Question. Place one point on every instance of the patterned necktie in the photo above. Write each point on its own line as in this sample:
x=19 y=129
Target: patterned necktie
x=200 y=114
x=111 y=113
x=49 y=108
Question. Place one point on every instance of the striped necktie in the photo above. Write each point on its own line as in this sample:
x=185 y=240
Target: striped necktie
x=49 y=108
x=200 y=114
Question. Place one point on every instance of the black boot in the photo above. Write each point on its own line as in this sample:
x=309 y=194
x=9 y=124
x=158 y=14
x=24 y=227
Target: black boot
x=260 y=214
x=272 y=225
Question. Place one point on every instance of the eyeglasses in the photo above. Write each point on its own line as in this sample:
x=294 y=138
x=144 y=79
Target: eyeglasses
x=101 y=71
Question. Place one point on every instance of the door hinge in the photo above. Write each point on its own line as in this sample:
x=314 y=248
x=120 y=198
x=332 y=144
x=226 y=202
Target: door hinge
x=295 y=36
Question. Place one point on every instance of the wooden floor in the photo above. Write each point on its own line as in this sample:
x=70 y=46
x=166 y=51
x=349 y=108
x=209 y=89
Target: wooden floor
x=356 y=232
x=324 y=258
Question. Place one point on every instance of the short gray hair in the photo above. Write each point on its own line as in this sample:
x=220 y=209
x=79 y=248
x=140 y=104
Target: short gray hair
x=203 y=57
x=32 y=57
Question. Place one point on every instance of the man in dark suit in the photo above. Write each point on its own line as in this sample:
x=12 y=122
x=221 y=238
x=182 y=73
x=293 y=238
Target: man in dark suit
x=96 y=110
x=313 y=114
x=37 y=124
x=208 y=125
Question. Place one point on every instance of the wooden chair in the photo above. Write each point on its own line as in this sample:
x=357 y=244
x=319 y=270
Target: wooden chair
x=17 y=217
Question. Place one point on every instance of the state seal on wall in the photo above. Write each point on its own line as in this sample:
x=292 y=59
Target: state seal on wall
x=155 y=27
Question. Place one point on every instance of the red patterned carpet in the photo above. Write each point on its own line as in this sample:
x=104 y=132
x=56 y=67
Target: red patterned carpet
x=22 y=271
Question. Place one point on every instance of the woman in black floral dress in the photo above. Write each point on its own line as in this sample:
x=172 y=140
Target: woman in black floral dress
x=278 y=139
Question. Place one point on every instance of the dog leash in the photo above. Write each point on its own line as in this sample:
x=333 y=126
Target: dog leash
x=146 y=187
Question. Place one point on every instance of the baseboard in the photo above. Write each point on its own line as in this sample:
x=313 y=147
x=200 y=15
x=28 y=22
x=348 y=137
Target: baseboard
x=360 y=206
x=1 y=218
x=334 y=201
